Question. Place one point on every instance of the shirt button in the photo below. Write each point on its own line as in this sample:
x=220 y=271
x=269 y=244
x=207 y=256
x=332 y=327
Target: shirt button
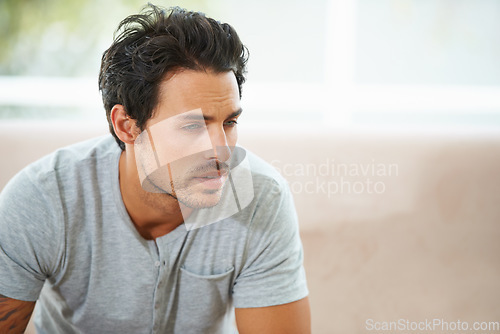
x=157 y=263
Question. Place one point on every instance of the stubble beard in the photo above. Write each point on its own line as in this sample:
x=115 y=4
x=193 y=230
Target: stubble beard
x=184 y=194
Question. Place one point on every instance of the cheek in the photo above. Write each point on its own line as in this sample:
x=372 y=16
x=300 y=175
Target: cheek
x=179 y=147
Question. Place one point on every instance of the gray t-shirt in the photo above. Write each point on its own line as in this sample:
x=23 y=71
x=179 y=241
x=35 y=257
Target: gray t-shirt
x=64 y=227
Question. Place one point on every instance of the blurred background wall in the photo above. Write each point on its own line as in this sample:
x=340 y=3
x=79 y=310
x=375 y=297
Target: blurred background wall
x=318 y=62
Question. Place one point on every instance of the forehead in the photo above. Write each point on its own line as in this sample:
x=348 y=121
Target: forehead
x=187 y=90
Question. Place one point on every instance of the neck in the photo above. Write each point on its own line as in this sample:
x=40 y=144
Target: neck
x=153 y=215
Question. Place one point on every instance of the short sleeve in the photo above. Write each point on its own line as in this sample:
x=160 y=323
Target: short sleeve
x=29 y=239
x=273 y=273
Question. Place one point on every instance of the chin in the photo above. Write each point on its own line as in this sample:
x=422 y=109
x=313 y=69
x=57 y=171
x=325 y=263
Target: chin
x=201 y=200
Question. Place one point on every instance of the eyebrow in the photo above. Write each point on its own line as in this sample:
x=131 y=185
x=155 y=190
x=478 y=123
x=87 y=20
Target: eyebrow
x=210 y=118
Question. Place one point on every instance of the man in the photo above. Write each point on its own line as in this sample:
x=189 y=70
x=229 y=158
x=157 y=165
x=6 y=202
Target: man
x=173 y=228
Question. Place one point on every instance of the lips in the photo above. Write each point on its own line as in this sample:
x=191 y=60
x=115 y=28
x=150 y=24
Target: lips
x=212 y=180
x=212 y=175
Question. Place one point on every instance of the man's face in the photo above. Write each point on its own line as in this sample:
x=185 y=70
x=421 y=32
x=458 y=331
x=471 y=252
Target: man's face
x=185 y=149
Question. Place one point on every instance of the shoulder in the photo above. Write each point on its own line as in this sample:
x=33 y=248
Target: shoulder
x=272 y=205
x=69 y=159
x=73 y=155
x=47 y=176
x=265 y=177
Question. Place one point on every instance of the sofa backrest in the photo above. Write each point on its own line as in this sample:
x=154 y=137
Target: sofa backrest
x=401 y=224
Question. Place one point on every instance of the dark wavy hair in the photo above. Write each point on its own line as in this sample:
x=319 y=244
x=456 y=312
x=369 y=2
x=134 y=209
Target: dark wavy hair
x=155 y=42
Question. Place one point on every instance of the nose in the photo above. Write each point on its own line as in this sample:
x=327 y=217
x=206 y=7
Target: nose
x=220 y=148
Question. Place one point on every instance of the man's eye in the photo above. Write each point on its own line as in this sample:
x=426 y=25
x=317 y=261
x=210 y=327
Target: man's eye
x=191 y=127
x=230 y=123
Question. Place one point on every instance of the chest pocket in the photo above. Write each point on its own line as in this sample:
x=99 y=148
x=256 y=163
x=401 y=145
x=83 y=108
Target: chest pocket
x=203 y=303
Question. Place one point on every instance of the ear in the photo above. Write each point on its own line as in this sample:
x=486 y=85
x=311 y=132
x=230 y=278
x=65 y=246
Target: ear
x=124 y=126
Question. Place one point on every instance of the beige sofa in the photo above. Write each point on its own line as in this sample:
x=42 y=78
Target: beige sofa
x=398 y=226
